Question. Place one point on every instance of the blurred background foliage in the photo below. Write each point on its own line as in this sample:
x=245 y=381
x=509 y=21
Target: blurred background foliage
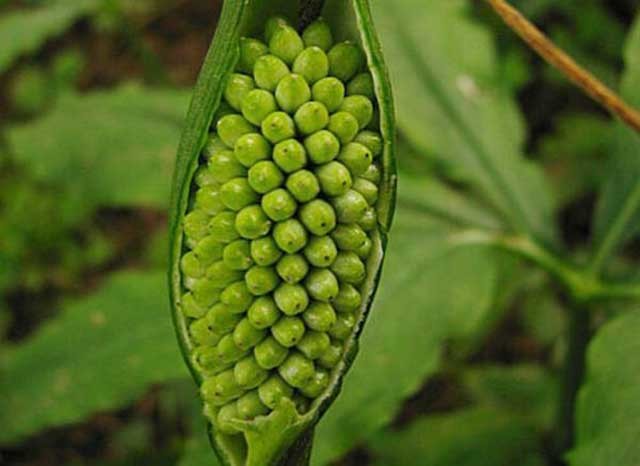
x=460 y=361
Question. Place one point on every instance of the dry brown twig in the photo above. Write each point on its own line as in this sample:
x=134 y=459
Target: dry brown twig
x=567 y=65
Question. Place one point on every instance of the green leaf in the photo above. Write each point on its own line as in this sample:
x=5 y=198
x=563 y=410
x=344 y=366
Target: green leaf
x=25 y=31
x=618 y=214
x=430 y=290
x=117 y=147
x=451 y=106
x=525 y=391
x=472 y=437
x=608 y=410
x=100 y=353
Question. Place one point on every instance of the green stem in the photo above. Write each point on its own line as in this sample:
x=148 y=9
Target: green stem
x=300 y=452
x=582 y=285
x=578 y=335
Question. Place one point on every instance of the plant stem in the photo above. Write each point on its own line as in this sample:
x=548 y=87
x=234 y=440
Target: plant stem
x=578 y=335
x=300 y=452
x=565 y=64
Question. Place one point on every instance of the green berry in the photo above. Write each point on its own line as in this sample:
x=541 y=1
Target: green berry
x=349 y=237
x=191 y=267
x=203 y=177
x=344 y=125
x=206 y=293
x=332 y=356
x=318 y=34
x=274 y=390
x=311 y=117
x=290 y=236
x=269 y=353
x=290 y=155
x=263 y=313
x=345 y=60
x=350 y=207
x=224 y=421
x=249 y=406
x=322 y=285
x=343 y=327
x=261 y=280
x=318 y=385
x=292 y=91
x=314 y=344
x=209 y=250
x=272 y=25
x=251 y=148
x=369 y=220
x=257 y=105
x=321 y=251
x=278 y=126
x=265 y=251
x=286 y=44
x=348 y=267
x=322 y=147
x=249 y=374
x=246 y=336
x=330 y=92
x=288 y=331
x=335 y=178
x=202 y=334
x=297 y=370
x=356 y=157
x=252 y=222
x=209 y=200
x=221 y=319
x=224 y=167
x=190 y=307
x=265 y=176
x=237 y=88
x=303 y=185
x=228 y=350
x=237 y=297
x=360 y=107
x=213 y=146
x=237 y=194
x=291 y=299
x=312 y=64
x=319 y=316
x=237 y=255
x=279 y=205
x=361 y=84
x=318 y=216
x=292 y=268
x=372 y=141
x=250 y=51
x=231 y=127
x=373 y=174
x=218 y=274
x=269 y=71
x=364 y=251
x=220 y=389
x=207 y=359
x=368 y=190
x=196 y=225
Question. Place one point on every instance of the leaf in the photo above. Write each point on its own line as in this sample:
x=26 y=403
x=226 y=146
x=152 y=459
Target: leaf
x=608 y=409
x=525 y=391
x=25 y=31
x=472 y=437
x=617 y=217
x=430 y=290
x=451 y=106
x=116 y=148
x=100 y=353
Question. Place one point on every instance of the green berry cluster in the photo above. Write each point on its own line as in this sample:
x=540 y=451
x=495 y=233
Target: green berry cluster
x=279 y=230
